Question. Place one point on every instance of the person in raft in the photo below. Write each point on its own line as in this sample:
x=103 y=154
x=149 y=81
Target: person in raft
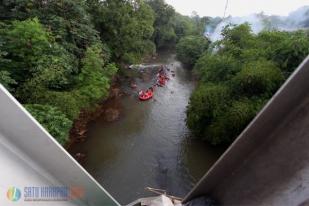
x=149 y=90
x=161 y=69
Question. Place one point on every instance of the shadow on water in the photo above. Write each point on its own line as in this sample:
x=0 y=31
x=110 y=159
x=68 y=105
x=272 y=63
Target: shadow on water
x=149 y=145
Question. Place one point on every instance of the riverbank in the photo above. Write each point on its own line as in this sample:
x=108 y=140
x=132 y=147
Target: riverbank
x=105 y=108
x=108 y=110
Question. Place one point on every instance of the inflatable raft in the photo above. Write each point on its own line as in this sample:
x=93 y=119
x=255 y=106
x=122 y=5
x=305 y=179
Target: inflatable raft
x=145 y=95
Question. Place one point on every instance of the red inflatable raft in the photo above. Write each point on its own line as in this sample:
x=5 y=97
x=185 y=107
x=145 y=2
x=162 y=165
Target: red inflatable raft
x=145 y=95
x=161 y=82
x=164 y=77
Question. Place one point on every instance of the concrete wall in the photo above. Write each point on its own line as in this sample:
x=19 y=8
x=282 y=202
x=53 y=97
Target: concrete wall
x=29 y=156
x=268 y=164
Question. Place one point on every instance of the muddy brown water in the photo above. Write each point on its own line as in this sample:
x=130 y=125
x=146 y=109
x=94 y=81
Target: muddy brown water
x=150 y=145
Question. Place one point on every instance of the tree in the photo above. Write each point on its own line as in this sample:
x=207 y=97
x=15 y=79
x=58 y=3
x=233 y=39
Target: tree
x=5 y=77
x=25 y=42
x=190 y=48
x=90 y=86
x=34 y=60
x=183 y=26
x=257 y=78
x=15 y=9
x=69 y=22
x=231 y=121
x=54 y=61
x=6 y=80
x=53 y=120
x=164 y=33
x=205 y=104
x=238 y=77
x=216 y=68
x=93 y=81
x=291 y=51
x=127 y=27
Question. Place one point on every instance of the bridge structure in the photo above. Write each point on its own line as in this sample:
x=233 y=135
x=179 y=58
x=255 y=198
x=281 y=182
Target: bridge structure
x=32 y=159
x=268 y=164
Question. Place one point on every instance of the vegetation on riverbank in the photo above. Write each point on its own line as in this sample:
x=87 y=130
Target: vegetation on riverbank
x=237 y=76
x=59 y=57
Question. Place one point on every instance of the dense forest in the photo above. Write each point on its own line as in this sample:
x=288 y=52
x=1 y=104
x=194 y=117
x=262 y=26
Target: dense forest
x=237 y=76
x=59 y=57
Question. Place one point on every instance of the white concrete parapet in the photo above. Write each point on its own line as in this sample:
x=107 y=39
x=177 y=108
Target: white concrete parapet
x=31 y=157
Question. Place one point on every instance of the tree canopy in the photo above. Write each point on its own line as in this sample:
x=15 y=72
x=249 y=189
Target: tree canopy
x=190 y=48
x=53 y=60
x=59 y=57
x=238 y=76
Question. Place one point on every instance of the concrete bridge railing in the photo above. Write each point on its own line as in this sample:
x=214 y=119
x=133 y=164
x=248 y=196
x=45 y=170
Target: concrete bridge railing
x=30 y=157
x=268 y=164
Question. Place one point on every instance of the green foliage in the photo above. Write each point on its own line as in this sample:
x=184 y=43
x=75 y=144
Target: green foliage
x=5 y=77
x=57 y=55
x=68 y=20
x=91 y=85
x=183 y=26
x=205 y=104
x=291 y=51
x=32 y=53
x=126 y=26
x=25 y=42
x=231 y=121
x=164 y=33
x=53 y=120
x=69 y=102
x=170 y=26
x=216 y=68
x=190 y=48
x=15 y=9
x=236 y=39
x=94 y=78
x=70 y=23
x=239 y=36
x=40 y=71
x=6 y=80
x=199 y=24
x=257 y=78
x=253 y=67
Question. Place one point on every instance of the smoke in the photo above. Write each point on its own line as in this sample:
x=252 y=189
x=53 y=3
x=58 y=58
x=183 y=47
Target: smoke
x=298 y=19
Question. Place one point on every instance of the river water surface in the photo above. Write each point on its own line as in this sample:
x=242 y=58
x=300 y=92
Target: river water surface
x=150 y=145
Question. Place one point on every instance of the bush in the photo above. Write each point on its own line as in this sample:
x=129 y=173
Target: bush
x=205 y=104
x=215 y=68
x=253 y=67
x=257 y=78
x=53 y=120
x=292 y=51
x=6 y=80
x=94 y=79
x=230 y=122
x=190 y=48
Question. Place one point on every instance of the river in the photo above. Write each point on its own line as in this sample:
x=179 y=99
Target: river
x=150 y=145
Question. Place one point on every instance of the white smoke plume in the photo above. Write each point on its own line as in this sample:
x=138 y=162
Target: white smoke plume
x=298 y=19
